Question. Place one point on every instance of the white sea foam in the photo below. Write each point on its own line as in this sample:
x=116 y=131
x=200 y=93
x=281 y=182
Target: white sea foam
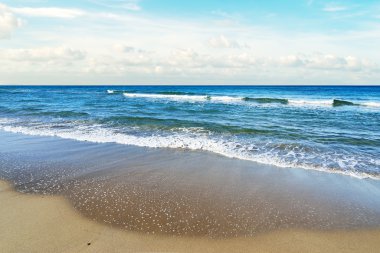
x=371 y=104
x=240 y=100
x=188 y=140
x=328 y=103
x=4 y=121
x=200 y=98
x=164 y=96
x=226 y=99
x=305 y=102
x=110 y=91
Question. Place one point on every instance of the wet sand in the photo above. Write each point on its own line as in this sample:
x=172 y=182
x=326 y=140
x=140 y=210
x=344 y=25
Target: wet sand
x=122 y=198
x=34 y=223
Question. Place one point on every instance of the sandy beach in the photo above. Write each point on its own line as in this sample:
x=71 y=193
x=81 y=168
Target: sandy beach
x=70 y=196
x=33 y=223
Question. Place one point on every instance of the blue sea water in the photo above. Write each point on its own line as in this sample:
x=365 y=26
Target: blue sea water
x=327 y=128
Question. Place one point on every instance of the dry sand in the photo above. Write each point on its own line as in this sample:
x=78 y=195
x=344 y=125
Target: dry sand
x=35 y=223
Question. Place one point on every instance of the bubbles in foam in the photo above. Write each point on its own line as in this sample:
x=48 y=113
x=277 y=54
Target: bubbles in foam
x=163 y=96
x=303 y=102
x=226 y=99
x=372 y=104
x=278 y=154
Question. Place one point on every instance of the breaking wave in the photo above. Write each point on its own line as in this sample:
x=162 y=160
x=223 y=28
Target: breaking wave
x=280 y=154
x=191 y=97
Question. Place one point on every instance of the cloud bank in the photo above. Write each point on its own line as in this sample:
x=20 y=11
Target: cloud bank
x=118 y=42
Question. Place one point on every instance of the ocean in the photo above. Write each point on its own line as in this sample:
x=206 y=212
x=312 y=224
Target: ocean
x=333 y=129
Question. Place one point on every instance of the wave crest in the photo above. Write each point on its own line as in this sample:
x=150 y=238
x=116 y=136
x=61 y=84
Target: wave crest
x=280 y=155
x=267 y=100
x=192 y=97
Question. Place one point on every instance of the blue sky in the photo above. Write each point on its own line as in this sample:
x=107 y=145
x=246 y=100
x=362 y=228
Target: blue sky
x=189 y=42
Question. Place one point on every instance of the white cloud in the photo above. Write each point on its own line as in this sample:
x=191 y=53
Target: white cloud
x=328 y=62
x=8 y=22
x=49 y=12
x=292 y=60
x=46 y=55
x=122 y=48
x=188 y=61
x=127 y=61
x=125 y=47
x=334 y=8
x=222 y=42
x=131 y=5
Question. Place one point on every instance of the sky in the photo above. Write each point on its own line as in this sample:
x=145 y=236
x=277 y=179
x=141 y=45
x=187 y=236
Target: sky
x=189 y=42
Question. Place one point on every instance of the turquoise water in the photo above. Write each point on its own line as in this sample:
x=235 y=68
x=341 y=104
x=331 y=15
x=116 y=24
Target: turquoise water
x=332 y=129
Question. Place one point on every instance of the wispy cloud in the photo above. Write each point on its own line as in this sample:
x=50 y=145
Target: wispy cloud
x=131 y=5
x=332 y=7
x=50 y=12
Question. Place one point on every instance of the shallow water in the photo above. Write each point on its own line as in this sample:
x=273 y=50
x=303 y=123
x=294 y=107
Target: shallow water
x=178 y=192
x=331 y=129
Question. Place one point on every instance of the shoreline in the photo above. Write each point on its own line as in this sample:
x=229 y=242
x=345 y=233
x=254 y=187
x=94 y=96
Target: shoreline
x=115 y=197
x=38 y=223
x=99 y=139
x=183 y=193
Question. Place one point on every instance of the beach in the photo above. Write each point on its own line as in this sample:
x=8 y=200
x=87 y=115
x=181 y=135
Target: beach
x=93 y=201
x=49 y=224
x=189 y=169
x=189 y=126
